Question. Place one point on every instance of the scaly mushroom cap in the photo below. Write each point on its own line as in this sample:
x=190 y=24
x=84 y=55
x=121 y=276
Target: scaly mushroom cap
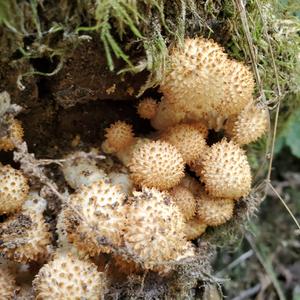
x=167 y=115
x=93 y=217
x=184 y=200
x=125 y=156
x=201 y=126
x=67 y=277
x=154 y=228
x=187 y=140
x=147 y=108
x=214 y=120
x=226 y=171
x=13 y=189
x=214 y=211
x=201 y=78
x=119 y=136
x=194 y=228
x=25 y=237
x=248 y=126
x=7 y=284
x=156 y=164
x=13 y=136
x=79 y=170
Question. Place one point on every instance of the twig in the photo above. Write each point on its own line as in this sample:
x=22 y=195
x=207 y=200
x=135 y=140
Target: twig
x=279 y=93
x=248 y=293
x=237 y=261
x=243 y=16
x=241 y=8
x=284 y=204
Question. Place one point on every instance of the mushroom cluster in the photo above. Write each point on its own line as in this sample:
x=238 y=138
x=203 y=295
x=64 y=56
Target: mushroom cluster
x=205 y=95
x=144 y=201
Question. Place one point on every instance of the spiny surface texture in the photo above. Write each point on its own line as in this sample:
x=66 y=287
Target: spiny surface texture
x=226 y=171
x=67 y=277
x=157 y=164
x=154 y=228
x=13 y=189
x=93 y=217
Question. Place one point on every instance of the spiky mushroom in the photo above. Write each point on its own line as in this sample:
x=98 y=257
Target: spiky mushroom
x=154 y=229
x=12 y=134
x=201 y=79
x=184 y=200
x=156 y=164
x=201 y=126
x=25 y=237
x=214 y=211
x=125 y=156
x=119 y=136
x=187 y=140
x=226 y=171
x=68 y=277
x=13 y=189
x=194 y=228
x=248 y=126
x=80 y=170
x=93 y=218
x=167 y=115
x=147 y=108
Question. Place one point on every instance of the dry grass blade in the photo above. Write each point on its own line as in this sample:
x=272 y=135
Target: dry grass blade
x=279 y=93
x=285 y=205
x=267 y=265
x=243 y=15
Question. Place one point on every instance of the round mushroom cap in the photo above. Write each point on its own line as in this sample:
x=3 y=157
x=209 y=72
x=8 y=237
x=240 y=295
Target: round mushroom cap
x=214 y=211
x=66 y=277
x=248 y=126
x=225 y=171
x=156 y=164
x=187 y=140
x=13 y=189
x=201 y=78
x=80 y=170
x=154 y=228
x=167 y=115
x=119 y=136
x=25 y=237
x=194 y=228
x=147 y=108
x=93 y=218
x=14 y=135
x=201 y=126
x=184 y=200
x=125 y=156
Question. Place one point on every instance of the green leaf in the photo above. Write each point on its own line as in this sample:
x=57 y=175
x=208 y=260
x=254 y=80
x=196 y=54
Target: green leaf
x=290 y=134
x=296 y=293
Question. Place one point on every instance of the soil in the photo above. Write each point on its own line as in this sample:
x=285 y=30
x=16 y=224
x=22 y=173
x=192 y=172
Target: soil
x=77 y=103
